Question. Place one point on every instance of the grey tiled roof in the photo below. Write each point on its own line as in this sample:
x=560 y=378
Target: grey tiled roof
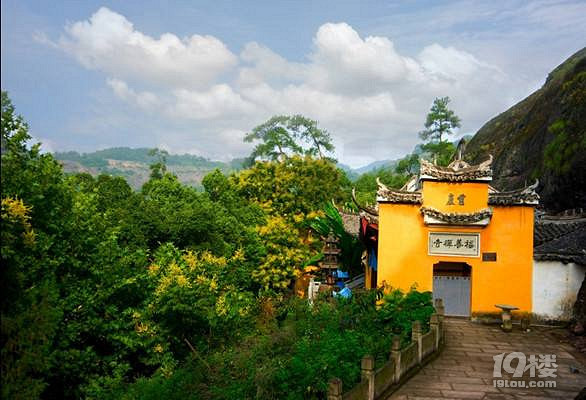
x=561 y=240
x=351 y=223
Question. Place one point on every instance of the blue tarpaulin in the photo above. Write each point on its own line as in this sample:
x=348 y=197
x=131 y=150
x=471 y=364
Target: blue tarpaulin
x=341 y=274
x=372 y=259
x=345 y=293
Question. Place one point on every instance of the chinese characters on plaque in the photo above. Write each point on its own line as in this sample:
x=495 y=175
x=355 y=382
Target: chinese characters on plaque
x=461 y=199
x=455 y=244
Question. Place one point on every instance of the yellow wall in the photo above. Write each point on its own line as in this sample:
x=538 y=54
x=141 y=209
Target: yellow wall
x=403 y=258
x=435 y=194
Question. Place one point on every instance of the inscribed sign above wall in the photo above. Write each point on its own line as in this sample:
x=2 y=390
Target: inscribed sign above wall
x=454 y=244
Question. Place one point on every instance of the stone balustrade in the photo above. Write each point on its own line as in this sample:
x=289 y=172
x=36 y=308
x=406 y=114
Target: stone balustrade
x=403 y=363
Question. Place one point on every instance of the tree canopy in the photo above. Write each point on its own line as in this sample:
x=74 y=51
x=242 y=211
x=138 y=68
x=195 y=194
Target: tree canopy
x=440 y=121
x=283 y=136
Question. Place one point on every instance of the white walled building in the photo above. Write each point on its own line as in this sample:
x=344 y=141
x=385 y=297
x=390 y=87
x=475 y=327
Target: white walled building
x=559 y=265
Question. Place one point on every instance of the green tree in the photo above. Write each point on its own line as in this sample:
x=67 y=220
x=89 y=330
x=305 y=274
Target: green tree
x=366 y=185
x=441 y=153
x=409 y=165
x=283 y=136
x=35 y=206
x=293 y=188
x=158 y=168
x=440 y=121
x=318 y=141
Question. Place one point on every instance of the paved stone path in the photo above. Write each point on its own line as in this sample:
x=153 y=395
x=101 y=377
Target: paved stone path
x=464 y=370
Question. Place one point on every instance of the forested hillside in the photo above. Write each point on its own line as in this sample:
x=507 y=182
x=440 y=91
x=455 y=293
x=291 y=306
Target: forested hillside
x=133 y=164
x=542 y=137
x=169 y=292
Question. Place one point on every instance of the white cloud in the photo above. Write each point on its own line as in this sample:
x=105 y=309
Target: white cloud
x=369 y=96
x=261 y=65
x=343 y=61
x=220 y=101
x=145 y=99
x=452 y=64
x=109 y=42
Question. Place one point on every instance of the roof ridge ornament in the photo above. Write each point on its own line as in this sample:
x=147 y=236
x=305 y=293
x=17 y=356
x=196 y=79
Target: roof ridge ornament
x=434 y=216
x=522 y=196
x=386 y=195
x=457 y=171
x=381 y=186
x=368 y=210
x=411 y=184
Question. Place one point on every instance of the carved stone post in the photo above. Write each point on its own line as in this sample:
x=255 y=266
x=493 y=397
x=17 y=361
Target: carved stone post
x=335 y=389
x=525 y=324
x=507 y=321
x=367 y=373
x=416 y=337
x=396 y=356
x=440 y=311
x=434 y=326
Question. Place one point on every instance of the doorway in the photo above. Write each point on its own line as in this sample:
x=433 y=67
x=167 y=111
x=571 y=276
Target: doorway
x=451 y=282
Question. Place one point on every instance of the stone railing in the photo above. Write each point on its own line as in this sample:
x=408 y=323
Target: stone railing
x=402 y=364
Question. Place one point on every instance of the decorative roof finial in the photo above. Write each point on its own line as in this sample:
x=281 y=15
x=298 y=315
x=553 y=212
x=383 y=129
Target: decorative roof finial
x=367 y=210
x=461 y=148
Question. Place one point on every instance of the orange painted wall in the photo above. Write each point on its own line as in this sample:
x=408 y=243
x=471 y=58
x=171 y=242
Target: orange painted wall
x=403 y=258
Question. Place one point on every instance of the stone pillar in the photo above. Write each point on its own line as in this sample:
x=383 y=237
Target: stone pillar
x=367 y=373
x=440 y=311
x=416 y=335
x=396 y=356
x=335 y=389
x=434 y=326
x=525 y=324
x=507 y=321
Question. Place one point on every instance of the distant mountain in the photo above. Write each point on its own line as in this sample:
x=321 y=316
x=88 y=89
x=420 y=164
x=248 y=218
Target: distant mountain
x=350 y=173
x=376 y=165
x=542 y=137
x=133 y=164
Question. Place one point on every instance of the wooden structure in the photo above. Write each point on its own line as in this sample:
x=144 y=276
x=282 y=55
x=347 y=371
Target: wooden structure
x=331 y=253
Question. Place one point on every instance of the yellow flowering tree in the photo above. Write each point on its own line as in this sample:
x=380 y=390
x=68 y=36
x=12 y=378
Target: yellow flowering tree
x=193 y=303
x=296 y=186
x=292 y=191
x=286 y=252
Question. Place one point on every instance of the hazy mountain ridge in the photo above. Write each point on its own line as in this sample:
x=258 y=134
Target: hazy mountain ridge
x=133 y=164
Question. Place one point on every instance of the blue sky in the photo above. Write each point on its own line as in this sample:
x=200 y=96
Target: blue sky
x=195 y=76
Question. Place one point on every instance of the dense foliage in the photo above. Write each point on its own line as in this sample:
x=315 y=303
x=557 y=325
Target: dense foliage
x=294 y=350
x=170 y=292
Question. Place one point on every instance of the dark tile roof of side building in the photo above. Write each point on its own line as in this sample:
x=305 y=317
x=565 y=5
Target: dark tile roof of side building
x=560 y=239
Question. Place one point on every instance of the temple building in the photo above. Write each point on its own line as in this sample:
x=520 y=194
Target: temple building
x=448 y=231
